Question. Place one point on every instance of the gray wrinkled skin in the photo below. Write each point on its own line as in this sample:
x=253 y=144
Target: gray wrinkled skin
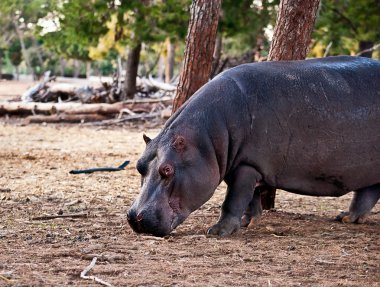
x=310 y=127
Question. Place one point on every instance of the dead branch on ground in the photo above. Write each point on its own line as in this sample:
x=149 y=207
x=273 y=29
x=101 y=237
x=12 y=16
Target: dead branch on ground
x=73 y=215
x=91 y=170
x=96 y=279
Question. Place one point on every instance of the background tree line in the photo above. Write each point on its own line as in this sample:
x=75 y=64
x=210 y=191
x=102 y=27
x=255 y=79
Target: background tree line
x=99 y=37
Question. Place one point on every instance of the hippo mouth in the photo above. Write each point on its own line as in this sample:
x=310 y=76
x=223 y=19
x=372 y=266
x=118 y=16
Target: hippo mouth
x=177 y=214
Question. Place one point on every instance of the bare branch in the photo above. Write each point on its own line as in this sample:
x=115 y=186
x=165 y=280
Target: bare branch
x=368 y=50
x=96 y=279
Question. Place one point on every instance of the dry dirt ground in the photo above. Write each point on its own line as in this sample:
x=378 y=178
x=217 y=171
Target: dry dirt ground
x=298 y=244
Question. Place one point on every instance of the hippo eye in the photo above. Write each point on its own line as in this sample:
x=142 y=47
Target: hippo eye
x=166 y=170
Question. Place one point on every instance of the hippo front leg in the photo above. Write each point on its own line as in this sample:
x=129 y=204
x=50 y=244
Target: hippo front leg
x=241 y=186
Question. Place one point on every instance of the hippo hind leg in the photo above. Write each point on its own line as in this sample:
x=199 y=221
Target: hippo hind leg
x=253 y=211
x=363 y=201
x=263 y=198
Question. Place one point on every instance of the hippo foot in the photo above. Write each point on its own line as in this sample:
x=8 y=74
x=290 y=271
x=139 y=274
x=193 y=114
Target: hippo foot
x=225 y=227
x=348 y=217
x=249 y=221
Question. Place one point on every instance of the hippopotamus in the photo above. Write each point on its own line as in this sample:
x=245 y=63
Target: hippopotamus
x=310 y=127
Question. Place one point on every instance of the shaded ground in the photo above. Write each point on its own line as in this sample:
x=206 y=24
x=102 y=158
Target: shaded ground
x=296 y=245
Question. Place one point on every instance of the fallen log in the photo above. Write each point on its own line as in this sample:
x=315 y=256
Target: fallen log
x=64 y=118
x=76 y=108
x=125 y=119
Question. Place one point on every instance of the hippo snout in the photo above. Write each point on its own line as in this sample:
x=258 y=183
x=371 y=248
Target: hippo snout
x=146 y=221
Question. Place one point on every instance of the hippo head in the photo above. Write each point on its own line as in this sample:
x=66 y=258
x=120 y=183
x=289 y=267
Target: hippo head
x=178 y=175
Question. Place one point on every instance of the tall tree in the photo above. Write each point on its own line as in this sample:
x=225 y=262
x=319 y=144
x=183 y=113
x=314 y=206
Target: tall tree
x=292 y=33
x=131 y=69
x=170 y=55
x=2 y=54
x=291 y=39
x=200 y=43
x=15 y=55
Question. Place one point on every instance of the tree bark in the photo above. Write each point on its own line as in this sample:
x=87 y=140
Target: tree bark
x=199 y=49
x=169 y=67
x=292 y=34
x=131 y=72
x=291 y=39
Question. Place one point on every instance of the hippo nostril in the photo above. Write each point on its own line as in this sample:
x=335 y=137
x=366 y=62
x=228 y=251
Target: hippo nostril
x=139 y=217
x=131 y=215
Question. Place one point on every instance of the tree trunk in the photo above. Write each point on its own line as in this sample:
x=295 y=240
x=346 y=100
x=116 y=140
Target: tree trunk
x=88 y=70
x=20 y=36
x=17 y=73
x=169 y=67
x=131 y=72
x=1 y=68
x=161 y=68
x=37 y=49
x=62 y=65
x=291 y=39
x=366 y=45
x=216 y=55
x=76 y=68
x=259 y=47
x=199 y=49
x=292 y=34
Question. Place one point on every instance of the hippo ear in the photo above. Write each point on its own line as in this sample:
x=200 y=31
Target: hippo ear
x=179 y=143
x=146 y=138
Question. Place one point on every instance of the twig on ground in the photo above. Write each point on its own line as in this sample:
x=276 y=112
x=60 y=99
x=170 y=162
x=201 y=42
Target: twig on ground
x=91 y=170
x=73 y=202
x=5 y=190
x=5 y=279
x=147 y=237
x=324 y=261
x=48 y=217
x=96 y=279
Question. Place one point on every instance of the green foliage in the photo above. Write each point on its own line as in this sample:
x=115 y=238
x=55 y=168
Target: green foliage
x=83 y=23
x=79 y=25
x=102 y=29
x=346 y=23
x=244 y=21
